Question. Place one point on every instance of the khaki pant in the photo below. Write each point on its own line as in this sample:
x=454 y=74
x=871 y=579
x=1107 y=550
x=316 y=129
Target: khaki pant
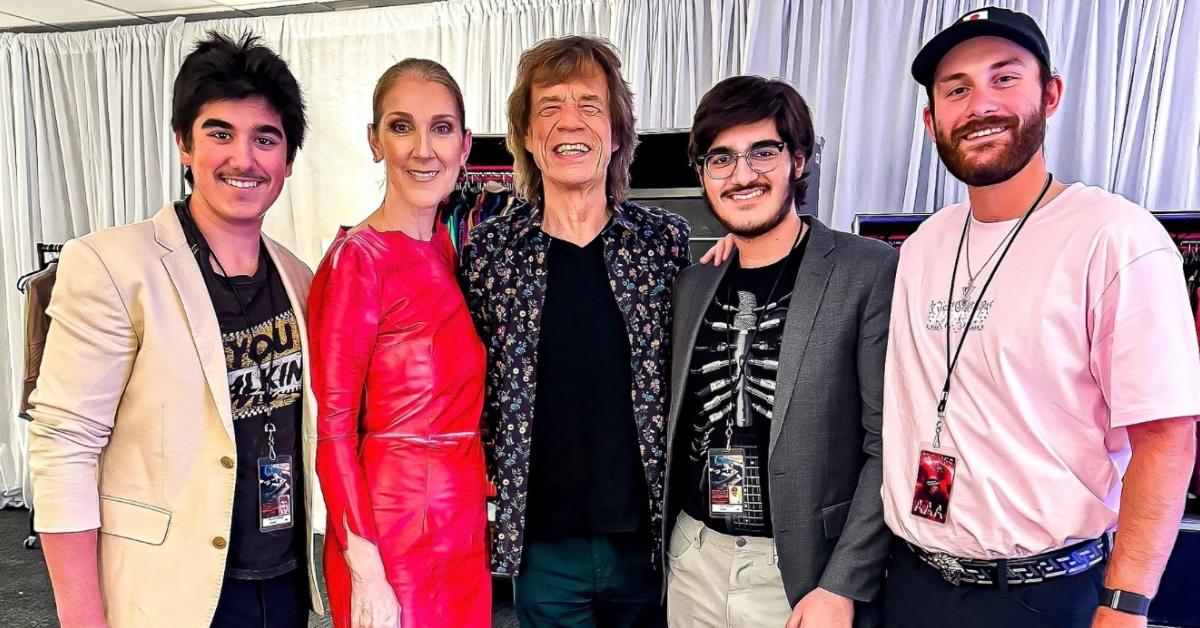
x=717 y=580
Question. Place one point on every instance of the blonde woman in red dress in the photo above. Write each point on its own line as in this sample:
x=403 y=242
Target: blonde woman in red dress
x=398 y=374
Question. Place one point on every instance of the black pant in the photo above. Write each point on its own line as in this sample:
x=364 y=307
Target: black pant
x=916 y=596
x=603 y=581
x=280 y=602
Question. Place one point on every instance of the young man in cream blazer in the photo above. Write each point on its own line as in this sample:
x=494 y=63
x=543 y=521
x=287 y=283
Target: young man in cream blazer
x=174 y=430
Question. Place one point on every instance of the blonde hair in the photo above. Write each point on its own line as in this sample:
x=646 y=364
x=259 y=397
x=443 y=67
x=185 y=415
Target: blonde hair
x=553 y=61
x=424 y=69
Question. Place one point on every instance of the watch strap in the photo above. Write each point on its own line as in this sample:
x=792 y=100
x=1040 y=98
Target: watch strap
x=1125 y=601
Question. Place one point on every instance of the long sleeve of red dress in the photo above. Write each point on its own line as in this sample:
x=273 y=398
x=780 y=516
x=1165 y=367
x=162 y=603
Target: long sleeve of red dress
x=344 y=314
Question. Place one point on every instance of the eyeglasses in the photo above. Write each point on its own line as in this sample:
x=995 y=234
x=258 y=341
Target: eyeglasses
x=762 y=158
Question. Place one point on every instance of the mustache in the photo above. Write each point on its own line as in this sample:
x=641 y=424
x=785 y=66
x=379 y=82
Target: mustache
x=963 y=131
x=746 y=188
x=247 y=174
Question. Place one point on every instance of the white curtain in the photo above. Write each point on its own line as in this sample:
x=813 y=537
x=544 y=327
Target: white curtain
x=86 y=143
x=1129 y=121
x=83 y=146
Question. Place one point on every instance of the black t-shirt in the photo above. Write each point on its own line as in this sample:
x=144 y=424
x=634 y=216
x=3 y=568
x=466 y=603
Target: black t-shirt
x=260 y=335
x=710 y=405
x=585 y=473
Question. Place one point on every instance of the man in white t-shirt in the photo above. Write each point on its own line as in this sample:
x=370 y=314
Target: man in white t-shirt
x=1042 y=377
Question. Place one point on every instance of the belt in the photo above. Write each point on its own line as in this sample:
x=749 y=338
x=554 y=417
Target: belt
x=1068 y=561
x=448 y=438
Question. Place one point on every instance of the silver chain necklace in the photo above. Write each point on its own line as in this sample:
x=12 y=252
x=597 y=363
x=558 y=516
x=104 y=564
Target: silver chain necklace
x=971 y=276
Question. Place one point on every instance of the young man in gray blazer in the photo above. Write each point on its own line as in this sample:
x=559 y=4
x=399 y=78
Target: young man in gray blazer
x=773 y=508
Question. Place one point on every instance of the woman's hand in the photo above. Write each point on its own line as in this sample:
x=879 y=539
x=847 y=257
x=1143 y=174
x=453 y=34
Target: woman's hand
x=372 y=600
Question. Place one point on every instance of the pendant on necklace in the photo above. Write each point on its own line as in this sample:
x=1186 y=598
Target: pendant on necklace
x=967 y=289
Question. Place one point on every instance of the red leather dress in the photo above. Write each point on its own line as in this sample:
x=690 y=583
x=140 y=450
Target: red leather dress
x=398 y=370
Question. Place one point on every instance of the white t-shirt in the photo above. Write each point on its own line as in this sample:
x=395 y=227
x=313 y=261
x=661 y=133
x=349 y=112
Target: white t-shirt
x=1085 y=329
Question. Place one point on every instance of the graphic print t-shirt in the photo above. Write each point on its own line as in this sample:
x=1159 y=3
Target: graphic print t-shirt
x=714 y=388
x=264 y=339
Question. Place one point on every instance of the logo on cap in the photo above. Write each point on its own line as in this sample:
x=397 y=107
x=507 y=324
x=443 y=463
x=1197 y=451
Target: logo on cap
x=978 y=15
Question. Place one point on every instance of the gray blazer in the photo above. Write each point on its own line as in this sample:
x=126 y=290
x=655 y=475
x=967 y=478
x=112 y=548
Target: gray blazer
x=823 y=462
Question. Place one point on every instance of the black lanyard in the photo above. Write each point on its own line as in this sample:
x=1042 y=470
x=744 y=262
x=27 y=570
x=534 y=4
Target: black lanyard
x=738 y=367
x=952 y=363
x=203 y=253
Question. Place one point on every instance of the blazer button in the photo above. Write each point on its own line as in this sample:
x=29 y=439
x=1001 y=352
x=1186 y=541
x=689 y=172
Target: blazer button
x=227 y=462
x=219 y=543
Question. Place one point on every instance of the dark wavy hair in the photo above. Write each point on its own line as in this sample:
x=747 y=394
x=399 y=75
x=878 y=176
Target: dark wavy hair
x=740 y=100
x=223 y=69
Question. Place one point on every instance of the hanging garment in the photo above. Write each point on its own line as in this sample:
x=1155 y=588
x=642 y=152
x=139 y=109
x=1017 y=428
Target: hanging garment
x=37 y=325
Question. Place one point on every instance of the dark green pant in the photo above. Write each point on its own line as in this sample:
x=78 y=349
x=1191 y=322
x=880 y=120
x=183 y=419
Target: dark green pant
x=589 y=582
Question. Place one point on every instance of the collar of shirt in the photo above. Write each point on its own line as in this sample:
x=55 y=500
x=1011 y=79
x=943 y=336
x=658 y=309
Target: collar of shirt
x=620 y=218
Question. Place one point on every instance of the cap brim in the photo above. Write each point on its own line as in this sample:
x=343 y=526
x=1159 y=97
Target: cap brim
x=927 y=60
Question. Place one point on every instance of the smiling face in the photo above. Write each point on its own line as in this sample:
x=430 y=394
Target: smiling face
x=238 y=158
x=988 y=110
x=421 y=139
x=749 y=203
x=570 y=133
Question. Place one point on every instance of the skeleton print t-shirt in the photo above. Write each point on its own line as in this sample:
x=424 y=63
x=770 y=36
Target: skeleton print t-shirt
x=731 y=389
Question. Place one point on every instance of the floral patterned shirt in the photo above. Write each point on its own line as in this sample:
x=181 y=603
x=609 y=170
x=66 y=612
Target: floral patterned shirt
x=504 y=276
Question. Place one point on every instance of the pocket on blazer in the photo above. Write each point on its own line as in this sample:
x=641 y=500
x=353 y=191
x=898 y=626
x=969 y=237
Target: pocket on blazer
x=833 y=518
x=182 y=425
x=133 y=520
x=831 y=337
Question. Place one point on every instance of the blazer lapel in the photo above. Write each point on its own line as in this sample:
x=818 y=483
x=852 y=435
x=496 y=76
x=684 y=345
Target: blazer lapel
x=811 y=280
x=181 y=266
x=300 y=308
x=689 y=318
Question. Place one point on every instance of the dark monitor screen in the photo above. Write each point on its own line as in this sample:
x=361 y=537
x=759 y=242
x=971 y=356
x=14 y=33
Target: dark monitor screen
x=659 y=162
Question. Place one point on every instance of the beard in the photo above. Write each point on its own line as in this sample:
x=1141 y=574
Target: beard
x=1028 y=136
x=753 y=230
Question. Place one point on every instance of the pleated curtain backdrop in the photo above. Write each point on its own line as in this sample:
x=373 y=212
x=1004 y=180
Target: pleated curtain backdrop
x=82 y=147
x=86 y=142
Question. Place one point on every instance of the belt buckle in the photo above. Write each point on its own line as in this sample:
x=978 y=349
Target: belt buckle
x=948 y=566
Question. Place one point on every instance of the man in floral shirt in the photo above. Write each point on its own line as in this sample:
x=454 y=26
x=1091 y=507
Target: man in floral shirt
x=571 y=293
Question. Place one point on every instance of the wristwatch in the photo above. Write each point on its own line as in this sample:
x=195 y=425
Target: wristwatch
x=1125 y=601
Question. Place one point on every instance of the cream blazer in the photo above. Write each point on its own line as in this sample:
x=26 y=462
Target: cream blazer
x=132 y=428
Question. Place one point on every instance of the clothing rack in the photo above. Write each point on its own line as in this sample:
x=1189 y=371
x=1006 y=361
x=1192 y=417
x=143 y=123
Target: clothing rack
x=474 y=178
x=1189 y=248
x=47 y=254
x=45 y=250
x=480 y=193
